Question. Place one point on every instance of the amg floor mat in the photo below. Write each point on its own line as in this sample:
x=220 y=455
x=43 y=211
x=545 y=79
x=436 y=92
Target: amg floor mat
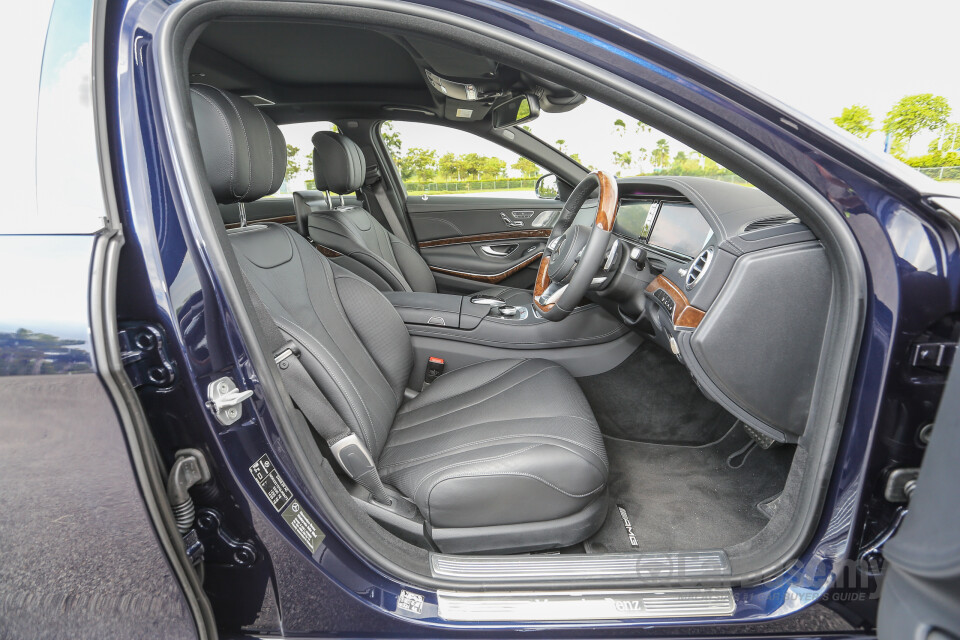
x=683 y=498
x=650 y=397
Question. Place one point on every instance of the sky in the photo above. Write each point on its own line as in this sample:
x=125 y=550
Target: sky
x=815 y=56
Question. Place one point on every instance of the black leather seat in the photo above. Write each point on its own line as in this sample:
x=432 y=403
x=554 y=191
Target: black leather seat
x=504 y=455
x=366 y=247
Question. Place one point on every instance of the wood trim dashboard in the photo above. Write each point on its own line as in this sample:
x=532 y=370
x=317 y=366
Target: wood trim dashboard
x=326 y=251
x=492 y=278
x=487 y=237
x=685 y=315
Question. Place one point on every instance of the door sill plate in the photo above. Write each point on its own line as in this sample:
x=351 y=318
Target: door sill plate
x=569 y=606
x=663 y=566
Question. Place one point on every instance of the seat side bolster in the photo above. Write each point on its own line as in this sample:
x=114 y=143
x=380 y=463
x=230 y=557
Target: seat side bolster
x=414 y=267
x=330 y=232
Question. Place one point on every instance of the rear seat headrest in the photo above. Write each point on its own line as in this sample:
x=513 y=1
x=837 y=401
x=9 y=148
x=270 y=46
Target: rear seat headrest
x=244 y=152
x=338 y=163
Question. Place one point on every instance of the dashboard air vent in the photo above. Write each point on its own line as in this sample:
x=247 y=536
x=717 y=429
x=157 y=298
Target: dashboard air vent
x=699 y=266
x=768 y=222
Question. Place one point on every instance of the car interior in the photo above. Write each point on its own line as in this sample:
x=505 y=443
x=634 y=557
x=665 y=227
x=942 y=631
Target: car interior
x=603 y=372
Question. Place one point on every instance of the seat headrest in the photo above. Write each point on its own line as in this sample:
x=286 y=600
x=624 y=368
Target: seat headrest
x=244 y=152
x=338 y=163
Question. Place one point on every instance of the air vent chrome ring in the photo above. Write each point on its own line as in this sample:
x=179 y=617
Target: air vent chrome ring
x=698 y=267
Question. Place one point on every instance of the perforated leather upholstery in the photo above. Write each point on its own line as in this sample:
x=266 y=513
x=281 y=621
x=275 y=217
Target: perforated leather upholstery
x=371 y=251
x=503 y=443
x=244 y=153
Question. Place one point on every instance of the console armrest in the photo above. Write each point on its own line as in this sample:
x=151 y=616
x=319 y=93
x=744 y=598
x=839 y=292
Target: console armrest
x=438 y=309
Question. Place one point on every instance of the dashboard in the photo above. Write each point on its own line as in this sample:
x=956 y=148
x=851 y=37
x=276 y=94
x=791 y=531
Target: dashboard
x=676 y=227
x=723 y=276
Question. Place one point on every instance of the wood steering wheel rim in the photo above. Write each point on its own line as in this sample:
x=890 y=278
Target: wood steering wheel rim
x=609 y=202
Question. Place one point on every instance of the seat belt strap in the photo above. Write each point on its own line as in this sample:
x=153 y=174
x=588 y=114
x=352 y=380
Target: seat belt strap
x=347 y=448
x=380 y=195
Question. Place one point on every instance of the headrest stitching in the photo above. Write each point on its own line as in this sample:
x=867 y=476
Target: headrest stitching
x=246 y=140
x=270 y=144
x=226 y=126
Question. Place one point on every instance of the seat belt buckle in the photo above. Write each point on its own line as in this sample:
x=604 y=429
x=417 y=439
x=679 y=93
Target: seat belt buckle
x=352 y=455
x=434 y=369
x=289 y=348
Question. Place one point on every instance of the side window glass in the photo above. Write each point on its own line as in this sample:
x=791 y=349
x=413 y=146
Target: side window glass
x=299 y=176
x=438 y=160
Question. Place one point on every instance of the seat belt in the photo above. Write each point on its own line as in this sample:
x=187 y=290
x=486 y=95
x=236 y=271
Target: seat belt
x=374 y=183
x=380 y=195
x=345 y=445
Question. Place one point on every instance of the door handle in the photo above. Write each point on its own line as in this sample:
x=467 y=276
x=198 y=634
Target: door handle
x=509 y=222
x=498 y=250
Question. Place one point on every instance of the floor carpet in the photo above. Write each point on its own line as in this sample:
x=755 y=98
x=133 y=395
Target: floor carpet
x=683 y=497
x=650 y=397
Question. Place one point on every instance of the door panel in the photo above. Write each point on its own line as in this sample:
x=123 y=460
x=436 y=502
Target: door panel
x=473 y=242
x=921 y=589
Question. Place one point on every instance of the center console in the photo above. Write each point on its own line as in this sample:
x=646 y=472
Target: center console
x=468 y=329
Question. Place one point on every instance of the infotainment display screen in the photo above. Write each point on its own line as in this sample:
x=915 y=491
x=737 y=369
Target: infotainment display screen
x=680 y=228
x=633 y=215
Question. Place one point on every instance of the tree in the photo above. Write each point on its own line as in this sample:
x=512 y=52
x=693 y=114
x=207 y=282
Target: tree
x=660 y=156
x=856 y=119
x=642 y=128
x=913 y=114
x=450 y=166
x=391 y=138
x=640 y=157
x=622 y=160
x=492 y=168
x=293 y=163
x=527 y=168
x=419 y=162
x=948 y=140
x=561 y=145
x=620 y=127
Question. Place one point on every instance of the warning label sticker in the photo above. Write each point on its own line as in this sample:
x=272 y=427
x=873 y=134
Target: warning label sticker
x=270 y=482
x=305 y=528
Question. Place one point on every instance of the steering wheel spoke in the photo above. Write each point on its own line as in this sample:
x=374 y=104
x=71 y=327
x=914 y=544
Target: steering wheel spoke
x=575 y=253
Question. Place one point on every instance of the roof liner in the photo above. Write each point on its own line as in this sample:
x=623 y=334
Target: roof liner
x=316 y=70
x=303 y=54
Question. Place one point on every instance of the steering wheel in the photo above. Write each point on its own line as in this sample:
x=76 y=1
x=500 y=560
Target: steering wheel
x=575 y=252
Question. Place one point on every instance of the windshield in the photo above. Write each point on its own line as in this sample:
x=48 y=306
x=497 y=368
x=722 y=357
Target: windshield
x=600 y=137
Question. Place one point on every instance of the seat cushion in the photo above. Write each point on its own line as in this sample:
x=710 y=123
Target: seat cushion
x=497 y=443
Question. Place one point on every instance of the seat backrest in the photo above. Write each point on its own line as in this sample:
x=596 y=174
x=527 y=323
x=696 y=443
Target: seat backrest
x=353 y=342
x=374 y=253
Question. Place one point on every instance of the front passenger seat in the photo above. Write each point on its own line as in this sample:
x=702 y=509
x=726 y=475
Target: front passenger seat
x=502 y=455
x=365 y=247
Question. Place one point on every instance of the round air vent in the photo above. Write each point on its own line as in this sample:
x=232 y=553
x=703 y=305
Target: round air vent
x=699 y=266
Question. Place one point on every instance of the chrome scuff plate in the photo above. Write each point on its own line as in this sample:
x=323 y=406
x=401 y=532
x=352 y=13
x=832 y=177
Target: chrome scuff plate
x=561 y=606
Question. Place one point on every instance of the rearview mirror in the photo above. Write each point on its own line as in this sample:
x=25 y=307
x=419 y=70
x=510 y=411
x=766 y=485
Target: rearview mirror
x=515 y=111
x=546 y=187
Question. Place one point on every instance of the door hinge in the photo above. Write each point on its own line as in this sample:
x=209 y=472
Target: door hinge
x=900 y=484
x=143 y=353
x=933 y=355
x=219 y=545
x=225 y=400
x=870 y=559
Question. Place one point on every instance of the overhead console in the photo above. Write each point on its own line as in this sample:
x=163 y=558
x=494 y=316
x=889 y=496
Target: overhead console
x=733 y=285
